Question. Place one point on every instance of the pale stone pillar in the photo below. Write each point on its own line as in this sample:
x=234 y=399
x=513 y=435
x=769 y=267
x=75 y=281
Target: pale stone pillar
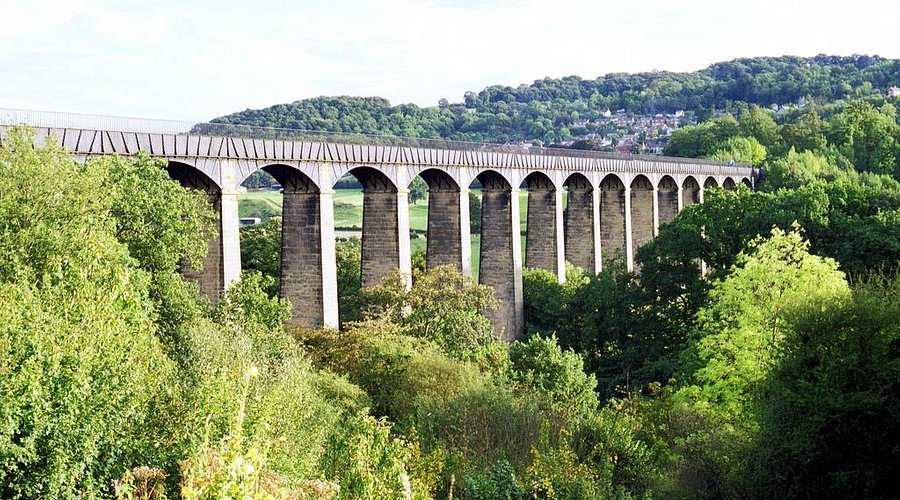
x=328 y=259
x=465 y=232
x=655 y=211
x=560 y=236
x=518 y=317
x=598 y=250
x=230 y=226
x=680 y=198
x=404 y=253
x=629 y=254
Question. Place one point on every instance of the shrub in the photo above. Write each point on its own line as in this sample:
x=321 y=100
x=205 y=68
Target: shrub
x=541 y=365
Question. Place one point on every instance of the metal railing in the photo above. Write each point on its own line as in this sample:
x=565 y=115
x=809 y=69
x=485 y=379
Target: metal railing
x=60 y=120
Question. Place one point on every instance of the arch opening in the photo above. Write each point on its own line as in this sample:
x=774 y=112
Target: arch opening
x=690 y=192
x=728 y=184
x=667 y=200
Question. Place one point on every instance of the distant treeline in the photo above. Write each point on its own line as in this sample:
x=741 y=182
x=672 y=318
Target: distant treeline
x=552 y=110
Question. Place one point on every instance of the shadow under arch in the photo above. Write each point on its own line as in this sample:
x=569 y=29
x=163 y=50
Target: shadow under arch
x=690 y=192
x=667 y=199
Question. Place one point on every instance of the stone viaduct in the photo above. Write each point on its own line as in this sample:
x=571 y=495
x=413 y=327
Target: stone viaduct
x=614 y=205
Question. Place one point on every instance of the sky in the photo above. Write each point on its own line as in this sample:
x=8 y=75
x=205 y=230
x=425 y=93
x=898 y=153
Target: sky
x=198 y=59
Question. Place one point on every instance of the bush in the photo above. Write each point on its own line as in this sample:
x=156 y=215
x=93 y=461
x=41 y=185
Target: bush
x=540 y=365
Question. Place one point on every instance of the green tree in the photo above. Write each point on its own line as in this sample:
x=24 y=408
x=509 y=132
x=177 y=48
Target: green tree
x=418 y=190
x=828 y=407
x=742 y=331
x=261 y=250
x=443 y=306
x=78 y=351
x=757 y=123
x=742 y=150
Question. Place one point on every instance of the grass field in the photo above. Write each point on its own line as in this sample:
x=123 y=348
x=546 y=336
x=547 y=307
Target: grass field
x=348 y=205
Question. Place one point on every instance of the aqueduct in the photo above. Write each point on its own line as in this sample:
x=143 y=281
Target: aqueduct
x=614 y=204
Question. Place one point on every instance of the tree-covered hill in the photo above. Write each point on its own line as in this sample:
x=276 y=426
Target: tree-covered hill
x=552 y=110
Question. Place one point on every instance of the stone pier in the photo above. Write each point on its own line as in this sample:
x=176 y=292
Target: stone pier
x=543 y=241
x=579 y=223
x=500 y=259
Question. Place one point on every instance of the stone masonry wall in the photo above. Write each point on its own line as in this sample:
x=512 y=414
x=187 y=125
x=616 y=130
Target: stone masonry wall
x=443 y=245
x=540 y=240
x=301 y=258
x=612 y=219
x=580 y=227
x=380 y=241
x=496 y=258
x=641 y=213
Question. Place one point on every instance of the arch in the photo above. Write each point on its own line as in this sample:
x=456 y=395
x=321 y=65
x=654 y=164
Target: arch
x=745 y=181
x=728 y=184
x=493 y=180
x=372 y=180
x=642 y=226
x=667 y=199
x=612 y=218
x=577 y=180
x=538 y=180
x=690 y=192
x=291 y=179
x=437 y=178
x=580 y=241
x=356 y=170
x=710 y=182
x=192 y=177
